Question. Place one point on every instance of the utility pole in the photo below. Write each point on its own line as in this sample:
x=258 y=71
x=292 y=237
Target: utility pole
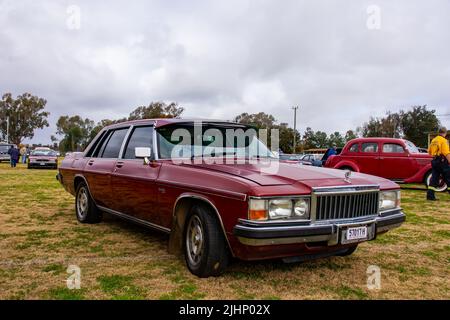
x=295 y=127
x=7 y=129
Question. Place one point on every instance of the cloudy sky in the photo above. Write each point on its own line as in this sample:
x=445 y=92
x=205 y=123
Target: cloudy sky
x=340 y=61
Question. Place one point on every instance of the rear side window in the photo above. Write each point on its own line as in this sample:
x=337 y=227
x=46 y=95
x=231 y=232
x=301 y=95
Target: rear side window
x=393 y=148
x=354 y=148
x=114 y=144
x=141 y=137
x=369 y=147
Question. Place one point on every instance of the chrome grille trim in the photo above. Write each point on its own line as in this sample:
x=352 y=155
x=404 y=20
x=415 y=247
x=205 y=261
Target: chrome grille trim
x=344 y=202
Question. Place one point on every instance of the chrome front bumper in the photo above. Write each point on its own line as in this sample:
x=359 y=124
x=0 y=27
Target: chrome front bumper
x=277 y=233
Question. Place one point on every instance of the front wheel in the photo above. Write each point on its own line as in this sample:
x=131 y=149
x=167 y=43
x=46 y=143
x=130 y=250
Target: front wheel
x=349 y=251
x=85 y=208
x=442 y=186
x=205 y=247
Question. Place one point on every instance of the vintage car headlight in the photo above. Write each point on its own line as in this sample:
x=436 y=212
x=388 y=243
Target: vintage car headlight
x=279 y=208
x=301 y=208
x=389 y=200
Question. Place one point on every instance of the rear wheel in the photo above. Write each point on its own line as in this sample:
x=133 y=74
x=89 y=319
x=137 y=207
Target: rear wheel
x=442 y=186
x=85 y=208
x=205 y=247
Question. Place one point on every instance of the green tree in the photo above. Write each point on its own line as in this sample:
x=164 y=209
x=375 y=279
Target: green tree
x=417 y=123
x=156 y=110
x=350 y=135
x=101 y=124
x=312 y=139
x=76 y=132
x=321 y=139
x=336 y=139
x=26 y=114
x=286 y=136
x=259 y=120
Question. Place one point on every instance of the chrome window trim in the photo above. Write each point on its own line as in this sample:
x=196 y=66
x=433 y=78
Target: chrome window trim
x=124 y=142
x=128 y=136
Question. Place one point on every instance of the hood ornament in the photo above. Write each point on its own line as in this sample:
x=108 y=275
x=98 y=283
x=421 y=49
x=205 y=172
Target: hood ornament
x=347 y=175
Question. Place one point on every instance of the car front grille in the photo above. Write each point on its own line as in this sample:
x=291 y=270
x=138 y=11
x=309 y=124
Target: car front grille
x=346 y=205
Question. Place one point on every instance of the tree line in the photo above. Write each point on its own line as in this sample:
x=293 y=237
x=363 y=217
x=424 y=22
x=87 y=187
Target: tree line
x=27 y=113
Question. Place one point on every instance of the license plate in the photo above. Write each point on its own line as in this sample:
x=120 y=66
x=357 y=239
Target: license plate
x=358 y=233
x=42 y=163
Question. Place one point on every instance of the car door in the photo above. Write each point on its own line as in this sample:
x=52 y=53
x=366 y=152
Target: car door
x=395 y=162
x=134 y=182
x=368 y=158
x=100 y=166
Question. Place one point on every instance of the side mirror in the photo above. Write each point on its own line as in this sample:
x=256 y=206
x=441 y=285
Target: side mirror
x=143 y=153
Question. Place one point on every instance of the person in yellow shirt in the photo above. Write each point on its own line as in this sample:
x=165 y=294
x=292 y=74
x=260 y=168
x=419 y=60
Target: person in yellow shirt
x=439 y=150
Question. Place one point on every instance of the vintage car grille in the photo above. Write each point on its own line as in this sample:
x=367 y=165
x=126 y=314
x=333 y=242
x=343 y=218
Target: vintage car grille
x=346 y=206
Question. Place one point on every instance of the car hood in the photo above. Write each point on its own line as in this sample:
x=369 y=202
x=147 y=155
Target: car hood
x=287 y=174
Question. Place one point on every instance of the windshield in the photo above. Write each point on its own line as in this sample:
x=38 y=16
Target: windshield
x=210 y=141
x=411 y=147
x=4 y=148
x=49 y=153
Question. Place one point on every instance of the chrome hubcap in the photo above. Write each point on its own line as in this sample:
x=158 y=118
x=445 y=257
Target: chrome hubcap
x=194 y=240
x=82 y=203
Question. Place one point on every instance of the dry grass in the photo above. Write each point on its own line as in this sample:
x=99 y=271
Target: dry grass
x=40 y=237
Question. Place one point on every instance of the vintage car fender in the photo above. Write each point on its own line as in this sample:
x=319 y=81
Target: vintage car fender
x=346 y=163
x=179 y=219
x=419 y=177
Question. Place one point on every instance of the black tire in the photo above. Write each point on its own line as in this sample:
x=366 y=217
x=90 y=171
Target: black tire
x=85 y=209
x=212 y=256
x=348 y=251
x=442 y=186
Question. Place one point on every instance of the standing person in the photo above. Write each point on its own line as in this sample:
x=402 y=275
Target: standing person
x=14 y=154
x=439 y=149
x=330 y=152
x=23 y=153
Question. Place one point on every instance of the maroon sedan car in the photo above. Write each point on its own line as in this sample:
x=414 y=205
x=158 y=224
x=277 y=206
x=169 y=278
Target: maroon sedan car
x=220 y=193
x=42 y=158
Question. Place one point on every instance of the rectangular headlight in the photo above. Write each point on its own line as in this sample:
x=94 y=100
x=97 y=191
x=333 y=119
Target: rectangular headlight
x=389 y=200
x=279 y=208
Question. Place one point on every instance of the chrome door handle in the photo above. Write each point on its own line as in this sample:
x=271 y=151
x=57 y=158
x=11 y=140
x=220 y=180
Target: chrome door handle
x=91 y=162
x=119 y=164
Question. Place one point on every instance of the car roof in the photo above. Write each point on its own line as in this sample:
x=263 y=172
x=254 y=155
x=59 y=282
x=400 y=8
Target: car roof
x=161 y=122
x=376 y=139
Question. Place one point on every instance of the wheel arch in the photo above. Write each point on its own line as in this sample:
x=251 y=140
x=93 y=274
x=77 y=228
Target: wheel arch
x=345 y=164
x=77 y=180
x=180 y=211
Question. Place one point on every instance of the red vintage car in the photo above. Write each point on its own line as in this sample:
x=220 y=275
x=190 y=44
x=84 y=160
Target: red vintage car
x=396 y=159
x=223 y=198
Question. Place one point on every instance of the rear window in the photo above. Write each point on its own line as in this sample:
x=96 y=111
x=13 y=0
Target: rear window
x=369 y=147
x=393 y=148
x=114 y=144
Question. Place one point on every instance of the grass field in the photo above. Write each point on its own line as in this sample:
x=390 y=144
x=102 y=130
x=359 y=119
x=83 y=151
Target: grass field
x=40 y=238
